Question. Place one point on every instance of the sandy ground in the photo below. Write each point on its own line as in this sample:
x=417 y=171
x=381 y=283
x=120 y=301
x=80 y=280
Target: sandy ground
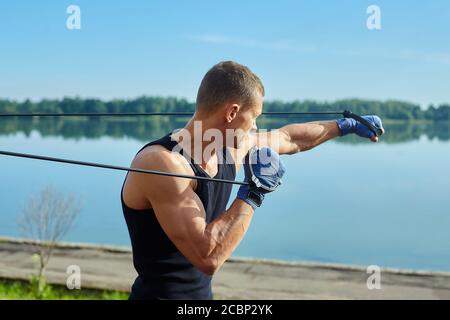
x=111 y=268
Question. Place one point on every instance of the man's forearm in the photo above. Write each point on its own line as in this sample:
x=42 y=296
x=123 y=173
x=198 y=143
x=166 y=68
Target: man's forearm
x=305 y=136
x=227 y=231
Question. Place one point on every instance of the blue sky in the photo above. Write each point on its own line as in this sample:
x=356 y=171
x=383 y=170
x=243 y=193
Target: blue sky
x=317 y=50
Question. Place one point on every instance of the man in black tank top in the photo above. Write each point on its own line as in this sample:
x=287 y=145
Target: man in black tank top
x=180 y=229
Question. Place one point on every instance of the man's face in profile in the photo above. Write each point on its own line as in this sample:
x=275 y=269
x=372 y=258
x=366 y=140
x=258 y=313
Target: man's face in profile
x=245 y=122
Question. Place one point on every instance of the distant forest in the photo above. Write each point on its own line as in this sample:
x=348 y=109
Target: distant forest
x=387 y=110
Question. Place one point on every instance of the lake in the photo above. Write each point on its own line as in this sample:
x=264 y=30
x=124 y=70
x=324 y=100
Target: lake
x=347 y=201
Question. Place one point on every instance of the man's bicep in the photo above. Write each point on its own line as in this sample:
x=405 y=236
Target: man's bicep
x=181 y=215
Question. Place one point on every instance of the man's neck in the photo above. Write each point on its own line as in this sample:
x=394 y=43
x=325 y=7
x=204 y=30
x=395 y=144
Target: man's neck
x=195 y=146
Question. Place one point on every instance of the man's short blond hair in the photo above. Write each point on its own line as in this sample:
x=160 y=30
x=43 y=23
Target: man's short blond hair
x=226 y=82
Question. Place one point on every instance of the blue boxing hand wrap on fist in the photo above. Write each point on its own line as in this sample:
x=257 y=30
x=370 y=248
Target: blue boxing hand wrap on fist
x=263 y=171
x=349 y=125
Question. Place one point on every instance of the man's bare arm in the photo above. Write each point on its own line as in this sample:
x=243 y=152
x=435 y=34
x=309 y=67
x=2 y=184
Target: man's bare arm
x=181 y=214
x=299 y=137
x=289 y=139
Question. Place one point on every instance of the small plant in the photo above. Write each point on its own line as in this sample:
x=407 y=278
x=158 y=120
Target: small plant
x=46 y=218
x=39 y=288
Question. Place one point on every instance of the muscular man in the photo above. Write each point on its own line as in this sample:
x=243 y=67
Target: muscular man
x=180 y=229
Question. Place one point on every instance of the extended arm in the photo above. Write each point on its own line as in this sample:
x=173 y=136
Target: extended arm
x=299 y=137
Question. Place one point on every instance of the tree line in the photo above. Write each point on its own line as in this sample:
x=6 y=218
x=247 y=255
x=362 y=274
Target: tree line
x=387 y=110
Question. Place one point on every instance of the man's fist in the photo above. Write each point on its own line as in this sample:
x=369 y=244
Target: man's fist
x=263 y=171
x=350 y=125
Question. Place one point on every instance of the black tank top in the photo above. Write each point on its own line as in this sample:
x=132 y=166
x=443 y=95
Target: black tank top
x=163 y=271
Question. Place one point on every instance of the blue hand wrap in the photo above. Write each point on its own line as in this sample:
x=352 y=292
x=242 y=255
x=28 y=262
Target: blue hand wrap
x=263 y=170
x=349 y=125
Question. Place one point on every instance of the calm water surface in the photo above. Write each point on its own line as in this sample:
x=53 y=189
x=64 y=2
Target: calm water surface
x=342 y=202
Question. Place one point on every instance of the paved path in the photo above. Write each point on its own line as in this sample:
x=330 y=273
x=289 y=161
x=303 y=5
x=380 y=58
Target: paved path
x=111 y=268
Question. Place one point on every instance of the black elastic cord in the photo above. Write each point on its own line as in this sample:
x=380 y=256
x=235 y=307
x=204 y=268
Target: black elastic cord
x=346 y=114
x=106 y=166
x=84 y=114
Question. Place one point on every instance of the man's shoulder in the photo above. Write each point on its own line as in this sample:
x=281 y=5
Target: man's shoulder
x=159 y=158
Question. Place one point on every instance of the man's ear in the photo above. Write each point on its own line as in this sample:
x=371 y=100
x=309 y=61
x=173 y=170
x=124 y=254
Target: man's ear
x=231 y=112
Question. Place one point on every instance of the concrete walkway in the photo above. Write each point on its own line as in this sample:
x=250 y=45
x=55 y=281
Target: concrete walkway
x=111 y=268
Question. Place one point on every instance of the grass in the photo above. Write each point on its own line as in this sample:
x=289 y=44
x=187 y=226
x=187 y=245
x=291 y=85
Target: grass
x=20 y=290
